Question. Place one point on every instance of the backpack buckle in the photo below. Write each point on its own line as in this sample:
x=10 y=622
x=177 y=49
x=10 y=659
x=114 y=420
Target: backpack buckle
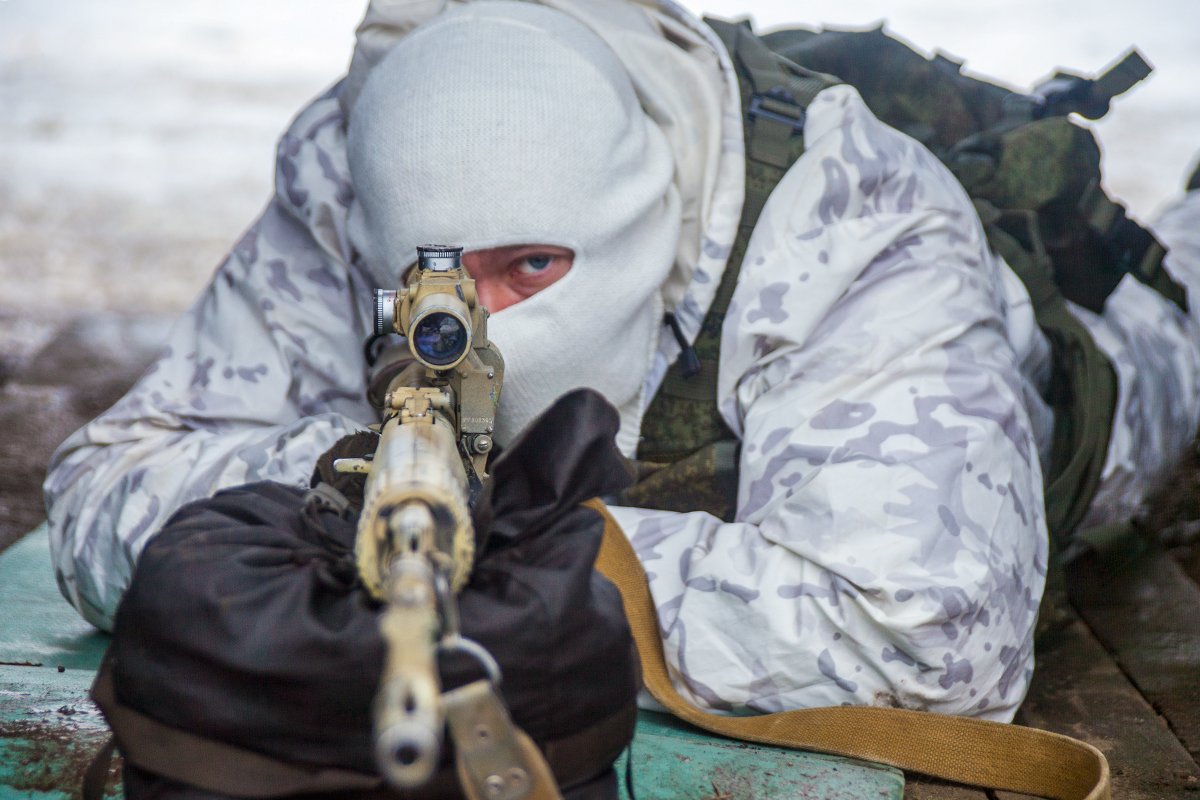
x=777 y=105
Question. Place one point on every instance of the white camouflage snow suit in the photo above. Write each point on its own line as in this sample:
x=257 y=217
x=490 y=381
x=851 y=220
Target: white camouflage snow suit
x=882 y=368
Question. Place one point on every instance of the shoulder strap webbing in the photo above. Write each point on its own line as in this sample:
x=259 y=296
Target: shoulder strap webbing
x=1068 y=93
x=682 y=417
x=989 y=754
x=1129 y=246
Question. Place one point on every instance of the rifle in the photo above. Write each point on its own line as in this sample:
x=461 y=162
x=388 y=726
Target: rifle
x=415 y=543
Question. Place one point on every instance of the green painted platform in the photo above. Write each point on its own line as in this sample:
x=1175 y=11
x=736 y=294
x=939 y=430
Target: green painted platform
x=49 y=729
x=672 y=760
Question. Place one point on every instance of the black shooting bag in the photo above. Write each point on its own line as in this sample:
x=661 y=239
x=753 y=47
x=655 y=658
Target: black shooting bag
x=246 y=655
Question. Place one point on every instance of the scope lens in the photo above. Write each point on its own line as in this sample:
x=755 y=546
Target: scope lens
x=439 y=338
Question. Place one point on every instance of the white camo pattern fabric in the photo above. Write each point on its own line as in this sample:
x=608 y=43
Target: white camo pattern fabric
x=262 y=375
x=889 y=546
x=880 y=365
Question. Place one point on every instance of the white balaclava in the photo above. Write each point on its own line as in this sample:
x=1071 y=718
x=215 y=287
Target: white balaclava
x=502 y=123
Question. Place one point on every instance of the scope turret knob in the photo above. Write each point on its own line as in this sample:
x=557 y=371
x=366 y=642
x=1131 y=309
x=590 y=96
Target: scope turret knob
x=385 y=311
x=439 y=257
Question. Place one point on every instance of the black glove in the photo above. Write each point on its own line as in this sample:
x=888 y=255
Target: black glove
x=350 y=484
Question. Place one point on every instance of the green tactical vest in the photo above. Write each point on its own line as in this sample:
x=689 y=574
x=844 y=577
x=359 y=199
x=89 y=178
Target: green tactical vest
x=687 y=456
x=1034 y=177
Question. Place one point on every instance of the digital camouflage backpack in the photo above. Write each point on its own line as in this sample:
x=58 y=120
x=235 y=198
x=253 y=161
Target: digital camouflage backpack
x=1034 y=176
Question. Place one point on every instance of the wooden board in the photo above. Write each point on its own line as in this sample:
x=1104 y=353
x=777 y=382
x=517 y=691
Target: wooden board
x=39 y=627
x=49 y=730
x=920 y=788
x=672 y=760
x=49 y=733
x=1079 y=690
x=1148 y=616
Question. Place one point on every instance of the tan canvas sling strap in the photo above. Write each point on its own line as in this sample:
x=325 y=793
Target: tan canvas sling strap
x=985 y=754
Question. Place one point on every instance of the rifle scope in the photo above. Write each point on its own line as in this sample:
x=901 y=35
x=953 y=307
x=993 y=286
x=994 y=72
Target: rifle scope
x=434 y=315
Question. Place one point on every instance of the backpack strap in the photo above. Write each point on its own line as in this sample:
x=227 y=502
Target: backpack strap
x=1131 y=248
x=988 y=754
x=688 y=455
x=779 y=91
x=1067 y=93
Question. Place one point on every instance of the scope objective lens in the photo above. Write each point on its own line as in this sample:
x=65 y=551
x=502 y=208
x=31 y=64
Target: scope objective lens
x=439 y=338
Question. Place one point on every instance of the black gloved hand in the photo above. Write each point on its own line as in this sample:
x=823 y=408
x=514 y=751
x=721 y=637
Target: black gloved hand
x=351 y=484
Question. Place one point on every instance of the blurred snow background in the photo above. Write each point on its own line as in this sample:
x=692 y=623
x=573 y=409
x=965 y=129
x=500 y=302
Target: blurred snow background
x=137 y=136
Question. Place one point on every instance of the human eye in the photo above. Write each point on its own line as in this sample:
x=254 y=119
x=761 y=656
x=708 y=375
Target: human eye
x=535 y=264
x=533 y=268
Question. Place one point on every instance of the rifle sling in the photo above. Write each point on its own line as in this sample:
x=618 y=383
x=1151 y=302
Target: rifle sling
x=971 y=751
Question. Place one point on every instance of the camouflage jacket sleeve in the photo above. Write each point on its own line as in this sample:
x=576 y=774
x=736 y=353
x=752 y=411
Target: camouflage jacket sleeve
x=1178 y=228
x=889 y=546
x=258 y=378
x=1155 y=349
